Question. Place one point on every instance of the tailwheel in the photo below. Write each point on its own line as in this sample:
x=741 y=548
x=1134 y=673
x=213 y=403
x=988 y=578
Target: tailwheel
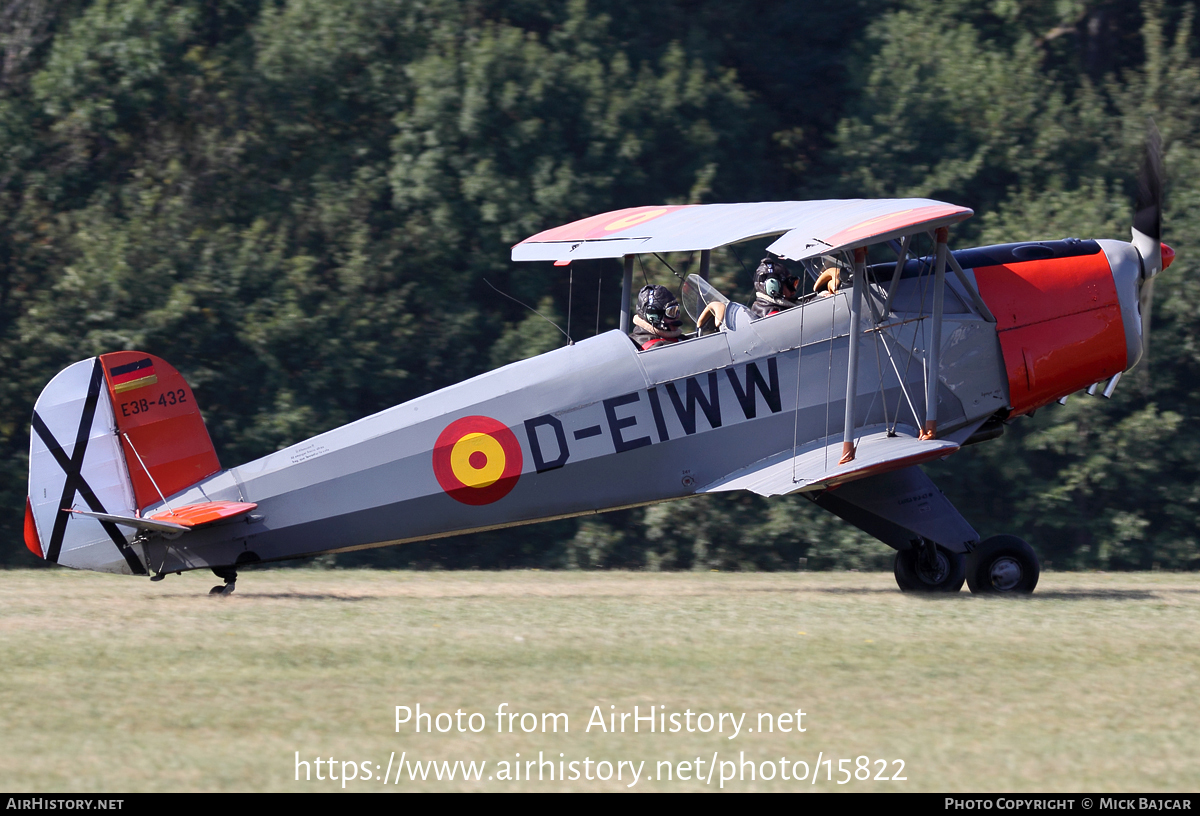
x=929 y=568
x=1003 y=565
x=230 y=576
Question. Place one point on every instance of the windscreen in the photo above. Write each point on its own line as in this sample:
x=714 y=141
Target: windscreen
x=697 y=293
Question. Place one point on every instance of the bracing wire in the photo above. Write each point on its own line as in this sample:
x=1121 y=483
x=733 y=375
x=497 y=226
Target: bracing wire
x=668 y=266
x=535 y=311
x=879 y=367
x=926 y=275
x=796 y=419
x=829 y=377
x=921 y=276
x=599 y=281
x=733 y=249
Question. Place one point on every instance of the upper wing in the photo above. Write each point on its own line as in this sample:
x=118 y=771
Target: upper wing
x=815 y=465
x=860 y=223
x=806 y=228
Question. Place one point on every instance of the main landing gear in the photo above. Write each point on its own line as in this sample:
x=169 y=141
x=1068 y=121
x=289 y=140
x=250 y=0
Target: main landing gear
x=229 y=574
x=929 y=568
x=1001 y=565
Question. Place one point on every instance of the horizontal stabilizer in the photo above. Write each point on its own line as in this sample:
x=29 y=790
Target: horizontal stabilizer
x=815 y=465
x=203 y=514
x=178 y=520
x=133 y=521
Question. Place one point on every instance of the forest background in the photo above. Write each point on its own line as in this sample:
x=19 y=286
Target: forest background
x=298 y=202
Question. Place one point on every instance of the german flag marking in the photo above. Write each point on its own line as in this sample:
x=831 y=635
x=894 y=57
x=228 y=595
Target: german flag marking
x=477 y=460
x=132 y=376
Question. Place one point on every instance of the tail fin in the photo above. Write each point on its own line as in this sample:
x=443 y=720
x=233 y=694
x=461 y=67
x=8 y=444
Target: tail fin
x=109 y=434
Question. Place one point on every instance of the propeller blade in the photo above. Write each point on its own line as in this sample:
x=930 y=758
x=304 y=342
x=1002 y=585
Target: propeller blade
x=1147 y=218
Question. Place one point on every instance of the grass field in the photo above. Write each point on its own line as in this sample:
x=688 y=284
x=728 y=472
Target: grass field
x=118 y=684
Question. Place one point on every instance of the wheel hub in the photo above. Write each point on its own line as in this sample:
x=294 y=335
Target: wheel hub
x=933 y=573
x=1005 y=574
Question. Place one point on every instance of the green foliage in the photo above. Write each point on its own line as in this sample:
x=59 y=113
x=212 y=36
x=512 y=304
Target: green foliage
x=534 y=335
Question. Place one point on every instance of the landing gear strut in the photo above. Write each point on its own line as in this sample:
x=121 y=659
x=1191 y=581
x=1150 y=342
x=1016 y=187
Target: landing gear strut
x=927 y=567
x=229 y=575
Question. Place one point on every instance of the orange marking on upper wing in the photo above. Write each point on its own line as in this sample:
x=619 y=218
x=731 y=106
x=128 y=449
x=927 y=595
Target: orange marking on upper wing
x=602 y=225
x=892 y=221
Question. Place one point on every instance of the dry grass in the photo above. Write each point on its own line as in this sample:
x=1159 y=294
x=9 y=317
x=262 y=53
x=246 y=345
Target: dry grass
x=114 y=684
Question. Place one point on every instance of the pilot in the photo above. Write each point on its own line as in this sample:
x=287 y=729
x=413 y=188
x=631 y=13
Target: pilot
x=775 y=289
x=657 y=319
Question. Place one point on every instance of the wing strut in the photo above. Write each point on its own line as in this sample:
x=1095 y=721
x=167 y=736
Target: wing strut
x=856 y=295
x=975 y=298
x=933 y=353
x=900 y=261
x=626 y=293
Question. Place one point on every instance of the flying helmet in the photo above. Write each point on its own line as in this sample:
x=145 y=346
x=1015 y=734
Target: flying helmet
x=658 y=307
x=773 y=279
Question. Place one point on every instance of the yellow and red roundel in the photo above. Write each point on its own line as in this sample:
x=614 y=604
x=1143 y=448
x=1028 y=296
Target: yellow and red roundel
x=477 y=460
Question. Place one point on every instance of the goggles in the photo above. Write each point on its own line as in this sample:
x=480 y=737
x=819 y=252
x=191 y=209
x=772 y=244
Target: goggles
x=665 y=316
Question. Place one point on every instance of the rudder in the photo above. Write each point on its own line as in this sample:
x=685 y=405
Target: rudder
x=162 y=433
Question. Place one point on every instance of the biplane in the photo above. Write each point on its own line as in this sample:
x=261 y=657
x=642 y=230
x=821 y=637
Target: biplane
x=922 y=351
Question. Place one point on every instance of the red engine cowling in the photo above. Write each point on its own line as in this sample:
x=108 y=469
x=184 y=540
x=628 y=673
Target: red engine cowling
x=1060 y=324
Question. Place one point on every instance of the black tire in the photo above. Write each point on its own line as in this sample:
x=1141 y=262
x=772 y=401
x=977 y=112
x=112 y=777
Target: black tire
x=914 y=575
x=1003 y=565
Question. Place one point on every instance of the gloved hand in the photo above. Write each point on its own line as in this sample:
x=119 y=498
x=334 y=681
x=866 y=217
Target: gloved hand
x=830 y=280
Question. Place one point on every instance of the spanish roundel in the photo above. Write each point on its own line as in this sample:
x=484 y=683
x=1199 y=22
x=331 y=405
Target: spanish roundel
x=477 y=460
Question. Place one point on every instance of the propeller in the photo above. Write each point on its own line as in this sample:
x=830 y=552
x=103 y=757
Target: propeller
x=1147 y=227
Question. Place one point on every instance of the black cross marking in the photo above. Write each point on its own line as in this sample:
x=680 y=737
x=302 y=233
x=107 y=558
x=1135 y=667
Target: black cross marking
x=75 y=482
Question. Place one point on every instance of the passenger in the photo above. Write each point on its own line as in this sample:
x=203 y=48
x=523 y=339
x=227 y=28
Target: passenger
x=775 y=289
x=657 y=319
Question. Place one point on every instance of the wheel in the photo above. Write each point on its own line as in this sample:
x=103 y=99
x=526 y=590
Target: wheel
x=227 y=574
x=1003 y=565
x=915 y=574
